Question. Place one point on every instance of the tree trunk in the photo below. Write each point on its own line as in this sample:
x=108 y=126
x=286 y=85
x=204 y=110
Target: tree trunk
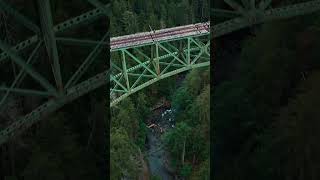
x=194 y=159
x=183 y=151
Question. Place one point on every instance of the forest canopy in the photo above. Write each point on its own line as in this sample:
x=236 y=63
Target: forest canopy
x=264 y=101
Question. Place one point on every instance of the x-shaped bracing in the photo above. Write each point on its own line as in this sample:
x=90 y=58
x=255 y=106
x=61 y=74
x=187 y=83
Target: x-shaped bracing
x=133 y=69
x=250 y=12
x=47 y=36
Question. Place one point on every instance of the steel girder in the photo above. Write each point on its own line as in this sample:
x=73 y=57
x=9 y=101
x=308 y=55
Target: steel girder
x=251 y=13
x=246 y=14
x=48 y=36
x=135 y=68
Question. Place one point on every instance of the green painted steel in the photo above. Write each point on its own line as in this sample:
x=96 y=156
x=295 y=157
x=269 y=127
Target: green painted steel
x=48 y=36
x=67 y=25
x=50 y=41
x=244 y=15
x=132 y=69
x=138 y=69
x=258 y=14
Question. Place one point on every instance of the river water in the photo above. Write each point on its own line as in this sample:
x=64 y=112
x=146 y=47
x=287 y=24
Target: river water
x=157 y=155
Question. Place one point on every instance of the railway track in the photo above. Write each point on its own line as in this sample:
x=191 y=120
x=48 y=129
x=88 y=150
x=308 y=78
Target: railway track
x=143 y=38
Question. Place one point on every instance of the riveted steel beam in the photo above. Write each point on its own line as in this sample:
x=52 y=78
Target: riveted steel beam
x=25 y=91
x=225 y=13
x=200 y=53
x=101 y=6
x=20 y=76
x=59 y=28
x=268 y=15
x=236 y=6
x=18 y=60
x=164 y=56
x=52 y=105
x=79 y=42
x=171 y=73
x=54 y=100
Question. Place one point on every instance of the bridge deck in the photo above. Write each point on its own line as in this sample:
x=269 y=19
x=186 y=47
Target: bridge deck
x=143 y=38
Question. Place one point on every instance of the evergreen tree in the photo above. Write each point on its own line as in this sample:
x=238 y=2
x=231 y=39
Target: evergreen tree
x=123 y=155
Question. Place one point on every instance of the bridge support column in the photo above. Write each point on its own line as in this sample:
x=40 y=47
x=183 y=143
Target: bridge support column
x=188 y=56
x=124 y=70
x=157 y=60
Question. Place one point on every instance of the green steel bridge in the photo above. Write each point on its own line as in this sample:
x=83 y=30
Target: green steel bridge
x=136 y=62
x=141 y=59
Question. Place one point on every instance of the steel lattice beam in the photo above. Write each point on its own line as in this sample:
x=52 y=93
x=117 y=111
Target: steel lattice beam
x=132 y=71
x=29 y=69
x=20 y=76
x=52 y=105
x=48 y=37
x=264 y=15
x=50 y=41
x=138 y=63
x=250 y=15
x=60 y=28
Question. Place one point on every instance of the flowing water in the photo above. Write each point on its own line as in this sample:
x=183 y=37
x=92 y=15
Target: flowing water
x=157 y=155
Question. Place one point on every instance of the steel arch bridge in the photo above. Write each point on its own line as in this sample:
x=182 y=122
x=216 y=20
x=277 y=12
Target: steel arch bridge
x=174 y=50
x=141 y=59
x=45 y=35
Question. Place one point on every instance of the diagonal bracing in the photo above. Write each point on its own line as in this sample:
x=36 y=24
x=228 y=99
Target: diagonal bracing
x=141 y=59
x=47 y=38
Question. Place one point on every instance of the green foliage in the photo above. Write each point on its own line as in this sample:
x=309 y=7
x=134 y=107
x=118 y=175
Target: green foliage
x=142 y=106
x=266 y=111
x=295 y=123
x=137 y=15
x=130 y=22
x=186 y=170
x=203 y=173
x=155 y=178
x=190 y=139
x=127 y=118
x=190 y=89
x=175 y=138
x=64 y=159
x=193 y=82
x=181 y=99
x=123 y=155
x=142 y=134
x=128 y=136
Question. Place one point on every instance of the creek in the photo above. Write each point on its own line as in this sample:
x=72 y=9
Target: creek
x=157 y=156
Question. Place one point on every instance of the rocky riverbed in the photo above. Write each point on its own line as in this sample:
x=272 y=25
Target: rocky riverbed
x=157 y=156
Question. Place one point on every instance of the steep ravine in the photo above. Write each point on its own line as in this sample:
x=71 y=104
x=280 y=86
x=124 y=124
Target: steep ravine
x=157 y=156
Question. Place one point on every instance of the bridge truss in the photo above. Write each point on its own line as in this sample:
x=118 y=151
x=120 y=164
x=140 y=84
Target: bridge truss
x=141 y=59
x=131 y=68
x=39 y=58
x=252 y=12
